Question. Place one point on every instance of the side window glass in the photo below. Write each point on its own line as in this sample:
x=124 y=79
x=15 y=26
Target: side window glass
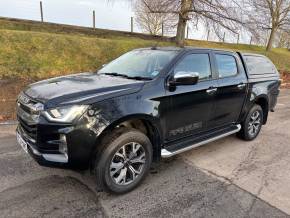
x=227 y=65
x=198 y=63
x=258 y=65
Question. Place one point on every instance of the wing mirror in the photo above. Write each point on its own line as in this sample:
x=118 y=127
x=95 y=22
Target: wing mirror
x=184 y=78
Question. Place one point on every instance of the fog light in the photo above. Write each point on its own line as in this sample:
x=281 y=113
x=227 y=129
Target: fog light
x=63 y=145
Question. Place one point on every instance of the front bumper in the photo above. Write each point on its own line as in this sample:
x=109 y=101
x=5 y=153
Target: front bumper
x=51 y=143
x=42 y=158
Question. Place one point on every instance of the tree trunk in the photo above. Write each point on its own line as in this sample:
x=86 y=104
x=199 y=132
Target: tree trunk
x=186 y=6
x=180 y=34
x=271 y=39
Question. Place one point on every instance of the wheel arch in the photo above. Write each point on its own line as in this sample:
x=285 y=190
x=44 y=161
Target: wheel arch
x=263 y=101
x=142 y=122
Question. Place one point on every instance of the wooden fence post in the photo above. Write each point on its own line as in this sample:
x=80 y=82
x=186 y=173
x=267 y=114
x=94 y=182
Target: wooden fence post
x=208 y=32
x=162 y=28
x=132 y=25
x=238 y=39
x=187 y=32
x=41 y=11
x=94 y=19
x=224 y=37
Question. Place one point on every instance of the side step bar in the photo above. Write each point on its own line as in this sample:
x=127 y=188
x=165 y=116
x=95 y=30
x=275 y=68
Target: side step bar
x=166 y=153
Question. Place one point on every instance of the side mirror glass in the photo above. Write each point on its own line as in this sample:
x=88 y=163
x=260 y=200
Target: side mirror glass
x=184 y=78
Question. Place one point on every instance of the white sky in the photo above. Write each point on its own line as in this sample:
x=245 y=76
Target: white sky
x=78 y=12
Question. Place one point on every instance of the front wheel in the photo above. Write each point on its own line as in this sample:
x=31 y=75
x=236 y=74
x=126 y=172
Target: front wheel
x=252 y=125
x=125 y=161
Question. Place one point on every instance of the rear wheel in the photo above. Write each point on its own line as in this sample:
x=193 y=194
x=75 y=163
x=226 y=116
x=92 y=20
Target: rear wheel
x=125 y=161
x=252 y=125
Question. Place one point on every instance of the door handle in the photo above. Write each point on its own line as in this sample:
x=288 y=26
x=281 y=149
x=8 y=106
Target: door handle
x=241 y=85
x=211 y=90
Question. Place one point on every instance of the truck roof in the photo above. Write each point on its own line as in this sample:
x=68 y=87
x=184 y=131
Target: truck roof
x=173 y=48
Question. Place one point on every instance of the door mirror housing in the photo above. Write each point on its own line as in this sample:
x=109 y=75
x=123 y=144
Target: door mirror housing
x=182 y=78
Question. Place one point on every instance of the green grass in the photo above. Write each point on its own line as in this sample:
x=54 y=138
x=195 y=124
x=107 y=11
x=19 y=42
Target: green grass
x=36 y=51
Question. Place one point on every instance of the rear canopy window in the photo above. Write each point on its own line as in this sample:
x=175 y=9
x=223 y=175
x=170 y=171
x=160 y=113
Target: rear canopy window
x=258 y=65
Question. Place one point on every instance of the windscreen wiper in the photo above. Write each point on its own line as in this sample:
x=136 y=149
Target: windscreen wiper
x=139 y=78
x=116 y=74
x=128 y=77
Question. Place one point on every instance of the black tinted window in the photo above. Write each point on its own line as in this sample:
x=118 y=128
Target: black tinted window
x=258 y=65
x=227 y=65
x=198 y=63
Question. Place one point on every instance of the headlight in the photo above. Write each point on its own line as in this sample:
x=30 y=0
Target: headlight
x=65 y=114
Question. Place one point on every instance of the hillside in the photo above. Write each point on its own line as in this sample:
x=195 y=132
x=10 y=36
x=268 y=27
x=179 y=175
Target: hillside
x=30 y=49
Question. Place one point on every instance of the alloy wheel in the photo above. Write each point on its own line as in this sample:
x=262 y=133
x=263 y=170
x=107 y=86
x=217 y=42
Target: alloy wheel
x=127 y=163
x=254 y=123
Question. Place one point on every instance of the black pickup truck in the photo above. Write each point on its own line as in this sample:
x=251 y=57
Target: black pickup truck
x=148 y=104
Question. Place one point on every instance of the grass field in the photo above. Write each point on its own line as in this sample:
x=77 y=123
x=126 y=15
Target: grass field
x=36 y=51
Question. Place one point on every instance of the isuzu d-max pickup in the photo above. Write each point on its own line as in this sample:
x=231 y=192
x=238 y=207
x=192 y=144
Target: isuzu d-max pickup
x=148 y=104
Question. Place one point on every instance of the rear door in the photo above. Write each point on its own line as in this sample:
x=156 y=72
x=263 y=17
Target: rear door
x=191 y=105
x=231 y=92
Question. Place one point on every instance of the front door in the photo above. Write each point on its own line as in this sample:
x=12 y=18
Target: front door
x=191 y=106
x=231 y=92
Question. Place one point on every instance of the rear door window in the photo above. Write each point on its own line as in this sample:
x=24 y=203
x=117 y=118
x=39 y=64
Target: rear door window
x=226 y=65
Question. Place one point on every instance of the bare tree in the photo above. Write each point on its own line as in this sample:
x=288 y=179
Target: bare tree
x=222 y=14
x=152 y=22
x=283 y=39
x=268 y=15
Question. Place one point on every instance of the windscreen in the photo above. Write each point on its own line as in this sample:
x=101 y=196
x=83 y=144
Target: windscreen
x=140 y=63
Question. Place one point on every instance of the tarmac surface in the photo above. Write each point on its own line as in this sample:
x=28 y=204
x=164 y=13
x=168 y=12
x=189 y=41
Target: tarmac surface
x=226 y=178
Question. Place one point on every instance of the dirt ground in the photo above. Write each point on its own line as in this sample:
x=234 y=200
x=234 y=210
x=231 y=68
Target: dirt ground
x=9 y=90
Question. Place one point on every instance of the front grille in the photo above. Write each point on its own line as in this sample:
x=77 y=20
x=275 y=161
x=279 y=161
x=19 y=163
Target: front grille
x=30 y=130
x=28 y=116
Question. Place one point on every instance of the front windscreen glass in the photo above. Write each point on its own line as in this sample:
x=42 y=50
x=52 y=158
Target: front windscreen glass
x=139 y=64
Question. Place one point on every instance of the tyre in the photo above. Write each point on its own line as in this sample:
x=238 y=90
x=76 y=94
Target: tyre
x=252 y=125
x=124 y=161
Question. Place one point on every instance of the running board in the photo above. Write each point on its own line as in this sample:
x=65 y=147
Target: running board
x=166 y=153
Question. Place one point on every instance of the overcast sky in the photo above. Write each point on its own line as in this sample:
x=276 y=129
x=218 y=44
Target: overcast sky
x=78 y=12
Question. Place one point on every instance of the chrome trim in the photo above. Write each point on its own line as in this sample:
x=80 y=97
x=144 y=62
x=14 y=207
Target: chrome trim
x=34 y=150
x=60 y=158
x=33 y=105
x=24 y=99
x=182 y=74
x=211 y=90
x=166 y=154
x=26 y=135
x=241 y=86
x=28 y=118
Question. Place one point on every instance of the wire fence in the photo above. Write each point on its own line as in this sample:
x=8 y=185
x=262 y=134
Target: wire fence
x=37 y=11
